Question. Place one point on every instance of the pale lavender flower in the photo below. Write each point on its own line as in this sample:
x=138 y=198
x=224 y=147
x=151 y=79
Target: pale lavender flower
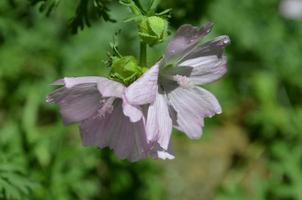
x=179 y=101
x=106 y=118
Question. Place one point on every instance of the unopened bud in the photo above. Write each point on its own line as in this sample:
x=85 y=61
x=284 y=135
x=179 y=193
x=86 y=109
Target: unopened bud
x=125 y=69
x=153 y=30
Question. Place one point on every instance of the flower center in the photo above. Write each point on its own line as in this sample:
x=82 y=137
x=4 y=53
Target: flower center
x=106 y=107
x=182 y=81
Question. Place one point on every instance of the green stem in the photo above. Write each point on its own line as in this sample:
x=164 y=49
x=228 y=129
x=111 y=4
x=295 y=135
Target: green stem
x=143 y=54
x=154 y=6
x=133 y=7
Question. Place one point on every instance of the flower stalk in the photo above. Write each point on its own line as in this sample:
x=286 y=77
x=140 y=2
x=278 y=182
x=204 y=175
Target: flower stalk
x=133 y=7
x=153 y=6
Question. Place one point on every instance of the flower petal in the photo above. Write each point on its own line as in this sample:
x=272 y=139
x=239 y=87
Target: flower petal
x=69 y=82
x=185 y=39
x=109 y=88
x=164 y=155
x=213 y=47
x=159 y=152
x=192 y=105
x=205 y=69
x=133 y=112
x=159 y=123
x=76 y=103
x=128 y=140
x=143 y=90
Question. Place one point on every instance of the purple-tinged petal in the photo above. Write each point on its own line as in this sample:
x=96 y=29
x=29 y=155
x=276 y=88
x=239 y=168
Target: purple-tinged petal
x=127 y=139
x=159 y=123
x=69 y=82
x=205 y=69
x=76 y=103
x=213 y=47
x=203 y=65
x=133 y=112
x=142 y=148
x=143 y=90
x=192 y=106
x=109 y=88
x=185 y=40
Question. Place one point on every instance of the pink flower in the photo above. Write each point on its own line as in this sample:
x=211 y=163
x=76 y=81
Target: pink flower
x=136 y=121
x=179 y=102
x=106 y=118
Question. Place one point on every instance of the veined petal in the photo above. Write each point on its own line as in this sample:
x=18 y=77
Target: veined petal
x=133 y=112
x=76 y=103
x=110 y=88
x=143 y=90
x=192 y=106
x=159 y=123
x=127 y=139
x=205 y=69
x=186 y=38
x=142 y=148
x=213 y=47
x=152 y=128
x=69 y=82
x=204 y=64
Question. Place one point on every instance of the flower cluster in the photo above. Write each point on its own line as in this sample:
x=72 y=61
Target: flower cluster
x=136 y=120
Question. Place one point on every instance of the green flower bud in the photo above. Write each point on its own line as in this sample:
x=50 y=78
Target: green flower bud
x=153 y=30
x=125 y=70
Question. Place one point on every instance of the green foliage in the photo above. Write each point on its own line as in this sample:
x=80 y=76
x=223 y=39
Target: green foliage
x=13 y=183
x=85 y=12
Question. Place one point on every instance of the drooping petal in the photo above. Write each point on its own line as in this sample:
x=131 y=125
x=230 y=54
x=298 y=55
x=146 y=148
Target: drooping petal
x=143 y=90
x=110 y=88
x=205 y=69
x=142 y=150
x=192 y=106
x=159 y=123
x=132 y=111
x=76 y=103
x=69 y=82
x=185 y=39
x=127 y=139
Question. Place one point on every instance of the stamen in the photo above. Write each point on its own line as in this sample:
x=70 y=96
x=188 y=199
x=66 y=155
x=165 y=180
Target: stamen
x=182 y=81
x=106 y=107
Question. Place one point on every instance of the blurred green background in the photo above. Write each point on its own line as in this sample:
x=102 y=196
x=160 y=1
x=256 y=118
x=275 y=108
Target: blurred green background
x=253 y=150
